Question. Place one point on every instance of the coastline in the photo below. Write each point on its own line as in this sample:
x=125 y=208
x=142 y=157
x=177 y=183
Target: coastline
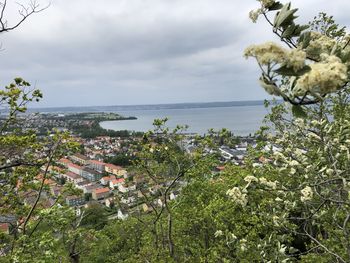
x=241 y=120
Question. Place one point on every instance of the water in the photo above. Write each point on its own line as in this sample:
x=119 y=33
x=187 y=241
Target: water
x=241 y=120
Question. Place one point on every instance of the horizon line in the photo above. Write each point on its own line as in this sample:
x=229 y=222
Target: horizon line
x=151 y=104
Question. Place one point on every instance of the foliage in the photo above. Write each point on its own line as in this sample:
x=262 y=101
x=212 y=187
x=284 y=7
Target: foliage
x=25 y=161
x=122 y=159
x=314 y=63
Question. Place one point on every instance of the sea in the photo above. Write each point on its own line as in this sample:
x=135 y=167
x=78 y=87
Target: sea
x=243 y=118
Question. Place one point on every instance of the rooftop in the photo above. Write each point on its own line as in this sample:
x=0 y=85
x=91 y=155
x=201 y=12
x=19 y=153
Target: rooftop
x=108 y=178
x=117 y=181
x=75 y=166
x=114 y=167
x=64 y=160
x=102 y=190
x=72 y=175
x=97 y=162
x=80 y=156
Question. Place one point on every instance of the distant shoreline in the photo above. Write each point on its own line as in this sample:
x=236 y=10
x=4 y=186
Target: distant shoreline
x=117 y=108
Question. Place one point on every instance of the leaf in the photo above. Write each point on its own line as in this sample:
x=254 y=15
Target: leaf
x=285 y=16
x=288 y=18
x=345 y=57
x=275 y=6
x=299 y=29
x=298 y=111
x=280 y=14
x=305 y=39
x=289 y=31
x=287 y=71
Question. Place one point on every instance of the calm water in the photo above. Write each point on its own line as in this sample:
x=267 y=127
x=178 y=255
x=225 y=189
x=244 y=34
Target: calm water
x=241 y=120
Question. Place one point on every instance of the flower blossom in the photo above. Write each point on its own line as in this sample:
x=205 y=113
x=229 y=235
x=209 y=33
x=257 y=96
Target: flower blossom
x=237 y=196
x=306 y=194
x=267 y=183
x=251 y=178
x=324 y=77
x=267 y=3
x=296 y=59
x=218 y=233
x=267 y=53
x=254 y=14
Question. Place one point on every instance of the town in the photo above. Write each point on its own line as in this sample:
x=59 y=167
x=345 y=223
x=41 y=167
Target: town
x=101 y=174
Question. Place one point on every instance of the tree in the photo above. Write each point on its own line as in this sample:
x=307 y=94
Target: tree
x=25 y=161
x=313 y=64
x=303 y=188
x=24 y=11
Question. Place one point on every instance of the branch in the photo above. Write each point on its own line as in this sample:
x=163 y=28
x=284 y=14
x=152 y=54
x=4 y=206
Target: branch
x=24 y=12
x=53 y=150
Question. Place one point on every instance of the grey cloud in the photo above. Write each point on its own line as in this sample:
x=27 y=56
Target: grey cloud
x=141 y=51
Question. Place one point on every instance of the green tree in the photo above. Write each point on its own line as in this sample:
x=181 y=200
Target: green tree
x=304 y=184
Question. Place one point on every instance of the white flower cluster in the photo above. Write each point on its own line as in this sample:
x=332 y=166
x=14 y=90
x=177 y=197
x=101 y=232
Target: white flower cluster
x=267 y=3
x=218 y=233
x=237 y=196
x=324 y=77
x=251 y=178
x=300 y=122
x=319 y=44
x=270 y=52
x=266 y=53
x=254 y=14
x=243 y=244
x=306 y=194
x=267 y=183
x=275 y=220
x=296 y=59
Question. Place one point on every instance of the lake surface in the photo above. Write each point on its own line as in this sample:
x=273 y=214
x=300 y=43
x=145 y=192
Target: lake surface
x=241 y=120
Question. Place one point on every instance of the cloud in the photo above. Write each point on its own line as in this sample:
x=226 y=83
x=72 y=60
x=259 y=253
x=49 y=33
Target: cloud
x=141 y=51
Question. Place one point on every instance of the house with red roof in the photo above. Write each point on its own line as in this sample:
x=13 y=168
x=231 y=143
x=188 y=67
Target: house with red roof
x=64 y=161
x=106 y=179
x=97 y=165
x=79 y=158
x=73 y=177
x=100 y=193
x=116 y=182
x=75 y=168
x=115 y=169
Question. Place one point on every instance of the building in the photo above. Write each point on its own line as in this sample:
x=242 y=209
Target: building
x=115 y=169
x=106 y=179
x=73 y=177
x=56 y=190
x=64 y=162
x=89 y=188
x=100 y=193
x=7 y=222
x=82 y=184
x=79 y=158
x=97 y=165
x=75 y=168
x=110 y=202
x=116 y=182
x=5 y=228
x=75 y=200
x=124 y=189
x=128 y=200
x=90 y=174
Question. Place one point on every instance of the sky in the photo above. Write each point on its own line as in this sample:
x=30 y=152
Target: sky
x=126 y=52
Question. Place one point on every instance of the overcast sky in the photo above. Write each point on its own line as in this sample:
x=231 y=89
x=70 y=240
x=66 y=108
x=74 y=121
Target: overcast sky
x=122 y=52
